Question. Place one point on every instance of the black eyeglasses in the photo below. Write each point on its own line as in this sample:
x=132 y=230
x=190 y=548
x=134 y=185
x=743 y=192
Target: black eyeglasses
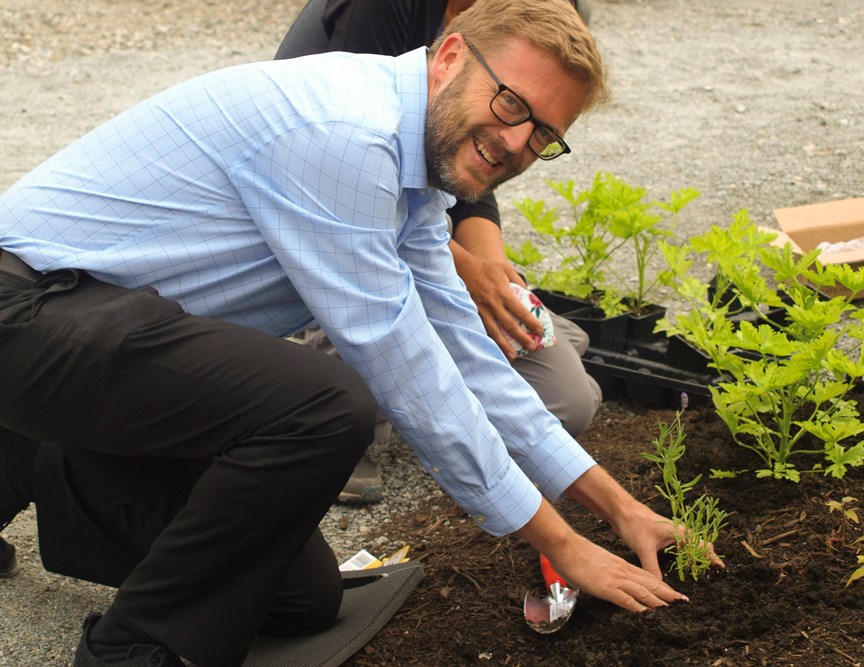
x=511 y=110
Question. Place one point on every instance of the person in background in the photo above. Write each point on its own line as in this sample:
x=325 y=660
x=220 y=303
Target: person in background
x=151 y=270
x=551 y=363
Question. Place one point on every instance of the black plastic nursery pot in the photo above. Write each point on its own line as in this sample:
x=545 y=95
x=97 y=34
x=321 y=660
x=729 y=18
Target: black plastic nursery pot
x=631 y=362
x=685 y=356
x=608 y=333
x=631 y=376
x=558 y=302
x=640 y=327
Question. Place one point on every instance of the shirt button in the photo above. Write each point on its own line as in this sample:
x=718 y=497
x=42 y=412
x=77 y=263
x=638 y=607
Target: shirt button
x=436 y=469
x=480 y=518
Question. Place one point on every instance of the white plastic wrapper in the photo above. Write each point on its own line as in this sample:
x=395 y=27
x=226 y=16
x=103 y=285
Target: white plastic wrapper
x=538 y=310
x=842 y=246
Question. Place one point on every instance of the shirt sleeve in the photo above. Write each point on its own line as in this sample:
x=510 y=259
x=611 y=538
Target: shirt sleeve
x=326 y=198
x=533 y=437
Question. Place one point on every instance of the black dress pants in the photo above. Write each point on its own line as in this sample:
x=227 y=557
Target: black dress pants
x=185 y=459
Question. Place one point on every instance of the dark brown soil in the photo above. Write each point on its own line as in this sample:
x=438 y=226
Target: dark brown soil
x=782 y=599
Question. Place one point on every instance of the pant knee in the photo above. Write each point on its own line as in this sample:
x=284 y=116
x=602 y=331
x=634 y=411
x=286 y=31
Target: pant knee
x=318 y=615
x=577 y=409
x=311 y=596
x=361 y=410
x=341 y=406
x=335 y=412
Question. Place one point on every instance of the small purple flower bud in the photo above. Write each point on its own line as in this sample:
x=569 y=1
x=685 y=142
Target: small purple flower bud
x=685 y=401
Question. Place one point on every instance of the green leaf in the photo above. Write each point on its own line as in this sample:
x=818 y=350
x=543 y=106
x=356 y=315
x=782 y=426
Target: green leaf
x=764 y=339
x=832 y=431
x=842 y=458
x=725 y=474
x=781 y=471
x=849 y=277
x=541 y=217
x=679 y=199
x=857 y=574
x=823 y=392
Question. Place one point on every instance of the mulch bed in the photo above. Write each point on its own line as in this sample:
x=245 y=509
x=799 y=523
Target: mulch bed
x=782 y=599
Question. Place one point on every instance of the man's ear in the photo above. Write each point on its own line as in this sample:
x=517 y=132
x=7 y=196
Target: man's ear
x=447 y=61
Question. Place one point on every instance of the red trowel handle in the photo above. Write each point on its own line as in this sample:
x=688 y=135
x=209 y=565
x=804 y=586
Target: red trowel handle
x=550 y=576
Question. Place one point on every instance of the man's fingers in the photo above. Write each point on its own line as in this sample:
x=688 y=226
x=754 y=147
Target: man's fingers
x=650 y=563
x=712 y=555
x=633 y=588
x=513 y=276
x=631 y=605
x=715 y=559
x=506 y=318
x=519 y=314
x=494 y=332
x=637 y=596
x=652 y=567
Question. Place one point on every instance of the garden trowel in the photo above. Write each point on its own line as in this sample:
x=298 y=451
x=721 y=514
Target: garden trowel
x=549 y=614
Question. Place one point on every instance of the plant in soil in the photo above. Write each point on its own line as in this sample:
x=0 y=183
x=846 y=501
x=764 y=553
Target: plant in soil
x=782 y=598
x=613 y=238
x=695 y=524
x=859 y=573
x=847 y=511
x=787 y=377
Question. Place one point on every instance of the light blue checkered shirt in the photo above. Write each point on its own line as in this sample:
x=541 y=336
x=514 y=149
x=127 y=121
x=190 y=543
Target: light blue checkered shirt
x=273 y=193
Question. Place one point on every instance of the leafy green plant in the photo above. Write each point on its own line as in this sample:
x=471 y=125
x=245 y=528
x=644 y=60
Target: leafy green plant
x=701 y=518
x=785 y=377
x=608 y=220
x=640 y=229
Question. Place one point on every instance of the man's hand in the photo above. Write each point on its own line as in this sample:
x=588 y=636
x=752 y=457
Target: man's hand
x=591 y=568
x=607 y=576
x=478 y=252
x=500 y=309
x=641 y=529
x=646 y=533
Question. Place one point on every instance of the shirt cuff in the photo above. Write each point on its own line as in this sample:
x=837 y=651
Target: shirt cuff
x=559 y=463
x=506 y=507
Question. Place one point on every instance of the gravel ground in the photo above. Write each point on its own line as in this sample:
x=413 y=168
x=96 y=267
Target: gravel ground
x=758 y=105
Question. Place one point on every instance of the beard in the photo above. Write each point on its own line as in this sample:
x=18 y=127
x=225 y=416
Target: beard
x=446 y=130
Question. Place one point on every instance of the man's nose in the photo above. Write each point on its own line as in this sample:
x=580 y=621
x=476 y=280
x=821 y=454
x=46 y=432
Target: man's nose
x=515 y=137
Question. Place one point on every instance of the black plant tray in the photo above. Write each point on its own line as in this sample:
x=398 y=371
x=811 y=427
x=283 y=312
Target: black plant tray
x=641 y=375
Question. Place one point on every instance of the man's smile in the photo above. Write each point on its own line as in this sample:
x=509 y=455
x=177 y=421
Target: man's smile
x=485 y=154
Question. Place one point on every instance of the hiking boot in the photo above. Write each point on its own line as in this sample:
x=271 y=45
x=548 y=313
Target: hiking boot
x=139 y=655
x=8 y=560
x=365 y=485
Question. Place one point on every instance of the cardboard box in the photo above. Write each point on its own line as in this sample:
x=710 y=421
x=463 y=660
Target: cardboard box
x=805 y=227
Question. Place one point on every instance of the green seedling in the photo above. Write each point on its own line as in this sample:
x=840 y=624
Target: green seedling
x=848 y=516
x=844 y=508
x=701 y=519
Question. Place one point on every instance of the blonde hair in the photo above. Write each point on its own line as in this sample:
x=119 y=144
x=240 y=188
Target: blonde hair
x=552 y=25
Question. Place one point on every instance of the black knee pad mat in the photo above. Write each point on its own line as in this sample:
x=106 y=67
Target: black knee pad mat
x=371 y=598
